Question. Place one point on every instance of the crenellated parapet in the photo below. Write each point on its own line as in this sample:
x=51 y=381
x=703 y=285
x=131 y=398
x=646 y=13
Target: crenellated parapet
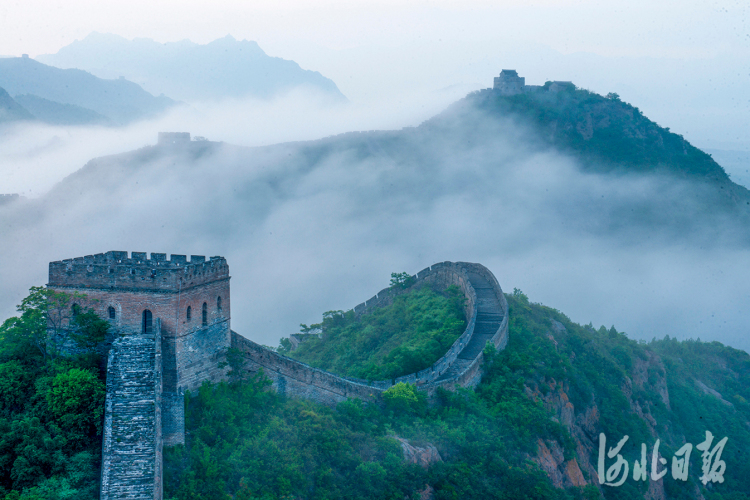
x=170 y=323
x=509 y=83
x=116 y=269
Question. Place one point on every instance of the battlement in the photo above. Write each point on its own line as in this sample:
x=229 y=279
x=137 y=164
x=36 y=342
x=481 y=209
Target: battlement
x=117 y=270
x=560 y=86
x=509 y=83
x=8 y=198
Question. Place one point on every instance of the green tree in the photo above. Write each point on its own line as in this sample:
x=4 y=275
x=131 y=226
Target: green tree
x=88 y=330
x=402 y=280
x=76 y=400
x=15 y=382
x=403 y=398
x=51 y=403
x=46 y=318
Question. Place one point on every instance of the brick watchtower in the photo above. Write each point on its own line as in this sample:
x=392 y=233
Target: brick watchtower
x=171 y=326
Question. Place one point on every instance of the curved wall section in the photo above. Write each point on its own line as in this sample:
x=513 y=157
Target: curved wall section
x=487 y=321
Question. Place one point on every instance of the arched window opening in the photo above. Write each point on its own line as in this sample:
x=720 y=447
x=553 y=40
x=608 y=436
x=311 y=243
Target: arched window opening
x=147 y=323
x=112 y=313
x=189 y=313
x=218 y=303
x=205 y=314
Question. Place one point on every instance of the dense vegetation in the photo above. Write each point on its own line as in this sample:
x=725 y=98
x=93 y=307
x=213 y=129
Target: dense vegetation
x=618 y=375
x=247 y=442
x=604 y=132
x=51 y=406
x=401 y=338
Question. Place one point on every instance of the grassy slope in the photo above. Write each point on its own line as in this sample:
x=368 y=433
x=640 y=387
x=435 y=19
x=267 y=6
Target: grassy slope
x=404 y=337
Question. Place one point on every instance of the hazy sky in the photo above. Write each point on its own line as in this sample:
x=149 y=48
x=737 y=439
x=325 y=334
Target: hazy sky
x=689 y=28
x=685 y=63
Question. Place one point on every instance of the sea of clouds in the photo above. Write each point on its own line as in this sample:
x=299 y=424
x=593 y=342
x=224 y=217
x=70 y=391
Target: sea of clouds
x=314 y=226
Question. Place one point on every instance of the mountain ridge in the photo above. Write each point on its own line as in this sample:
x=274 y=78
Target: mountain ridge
x=223 y=68
x=11 y=110
x=120 y=100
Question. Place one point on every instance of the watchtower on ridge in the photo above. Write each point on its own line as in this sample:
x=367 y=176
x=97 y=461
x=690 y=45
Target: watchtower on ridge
x=189 y=300
x=170 y=320
x=509 y=83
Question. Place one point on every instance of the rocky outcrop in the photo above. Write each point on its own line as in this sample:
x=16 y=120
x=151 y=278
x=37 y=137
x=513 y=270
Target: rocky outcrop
x=582 y=427
x=647 y=374
x=707 y=390
x=419 y=455
x=563 y=473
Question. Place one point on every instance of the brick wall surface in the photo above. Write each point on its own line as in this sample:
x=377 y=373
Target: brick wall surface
x=166 y=288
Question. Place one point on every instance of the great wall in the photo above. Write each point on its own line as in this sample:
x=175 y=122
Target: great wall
x=170 y=332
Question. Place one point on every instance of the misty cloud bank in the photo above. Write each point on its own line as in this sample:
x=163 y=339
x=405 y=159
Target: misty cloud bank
x=33 y=156
x=310 y=227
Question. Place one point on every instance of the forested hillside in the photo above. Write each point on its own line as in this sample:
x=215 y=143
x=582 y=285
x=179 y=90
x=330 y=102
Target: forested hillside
x=51 y=400
x=530 y=430
x=606 y=135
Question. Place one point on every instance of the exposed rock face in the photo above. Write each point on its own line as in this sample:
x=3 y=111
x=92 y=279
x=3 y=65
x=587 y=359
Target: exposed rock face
x=418 y=455
x=428 y=493
x=583 y=423
x=563 y=473
x=703 y=387
x=649 y=373
x=655 y=491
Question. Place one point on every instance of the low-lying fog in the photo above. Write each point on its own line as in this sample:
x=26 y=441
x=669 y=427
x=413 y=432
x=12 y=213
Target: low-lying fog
x=310 y=228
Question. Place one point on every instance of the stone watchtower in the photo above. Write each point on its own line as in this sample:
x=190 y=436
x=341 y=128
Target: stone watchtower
x=171 y=326
x=509 y=83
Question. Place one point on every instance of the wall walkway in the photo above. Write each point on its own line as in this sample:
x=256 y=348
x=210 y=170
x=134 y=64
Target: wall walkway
x=487 y=321
x=132 y=442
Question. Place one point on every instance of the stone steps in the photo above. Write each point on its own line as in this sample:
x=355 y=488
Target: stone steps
x=131 y=451
x=488 y=320
x=458 y=366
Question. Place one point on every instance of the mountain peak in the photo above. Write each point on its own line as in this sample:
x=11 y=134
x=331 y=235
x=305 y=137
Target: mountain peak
x=223 y=68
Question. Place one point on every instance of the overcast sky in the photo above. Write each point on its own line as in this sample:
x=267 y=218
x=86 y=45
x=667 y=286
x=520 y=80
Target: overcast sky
x=685 y=63
x=688 y=28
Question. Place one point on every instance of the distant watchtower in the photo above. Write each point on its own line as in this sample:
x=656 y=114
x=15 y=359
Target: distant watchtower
x=171 y=323
x=509 y=83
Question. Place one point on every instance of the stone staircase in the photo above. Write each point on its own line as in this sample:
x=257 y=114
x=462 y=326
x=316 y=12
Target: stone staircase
x=131 y=454
x=489 y=319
